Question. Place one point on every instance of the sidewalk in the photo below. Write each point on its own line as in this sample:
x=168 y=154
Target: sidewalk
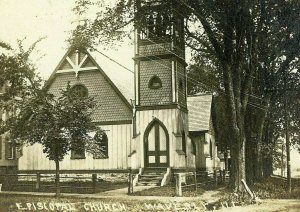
x=123 y=192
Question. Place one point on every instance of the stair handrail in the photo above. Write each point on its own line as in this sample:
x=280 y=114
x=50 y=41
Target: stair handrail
x=137 y=176
x=166 y=177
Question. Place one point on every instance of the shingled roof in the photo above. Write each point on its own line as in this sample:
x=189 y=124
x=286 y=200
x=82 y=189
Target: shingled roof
x=121 y=77
x=199 y=107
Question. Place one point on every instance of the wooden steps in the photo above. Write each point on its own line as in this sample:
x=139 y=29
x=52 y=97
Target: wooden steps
x=151 y=177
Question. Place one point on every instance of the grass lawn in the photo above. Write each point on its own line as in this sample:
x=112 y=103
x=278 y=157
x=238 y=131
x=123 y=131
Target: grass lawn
x=169 y=191
x=275 y=188
x=66 y=187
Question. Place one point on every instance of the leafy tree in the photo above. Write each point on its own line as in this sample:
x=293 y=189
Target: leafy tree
x=274 y=55
x=59 y=123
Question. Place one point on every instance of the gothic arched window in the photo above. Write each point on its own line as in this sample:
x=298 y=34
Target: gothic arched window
x=155 y=82
x=78 y=149
x=101 y=145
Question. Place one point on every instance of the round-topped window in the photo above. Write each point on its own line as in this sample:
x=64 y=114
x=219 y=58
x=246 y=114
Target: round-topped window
x=80 y=90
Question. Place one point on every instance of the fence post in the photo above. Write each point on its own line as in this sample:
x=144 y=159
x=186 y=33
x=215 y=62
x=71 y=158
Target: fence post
x=38 y=181
x=94 y=179
x=216 y=177
x=220 y=173
x=195 y=179
x=130 y=182
x=224 y=176
x=178 y=184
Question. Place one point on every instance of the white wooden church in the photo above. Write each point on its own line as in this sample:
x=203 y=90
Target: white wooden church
x=148 y=118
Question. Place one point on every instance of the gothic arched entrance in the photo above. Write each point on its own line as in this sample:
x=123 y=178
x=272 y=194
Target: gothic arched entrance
x=156 y=143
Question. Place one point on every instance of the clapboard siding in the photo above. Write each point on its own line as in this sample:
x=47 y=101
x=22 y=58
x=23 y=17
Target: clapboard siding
x=119 y=137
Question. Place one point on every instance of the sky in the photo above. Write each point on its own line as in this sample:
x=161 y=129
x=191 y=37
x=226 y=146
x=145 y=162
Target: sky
x=53 y=19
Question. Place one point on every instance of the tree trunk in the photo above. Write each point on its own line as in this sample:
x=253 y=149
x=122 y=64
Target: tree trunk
x=261 y=124
x=57 y=186
x=249 y=154
x=242 y=144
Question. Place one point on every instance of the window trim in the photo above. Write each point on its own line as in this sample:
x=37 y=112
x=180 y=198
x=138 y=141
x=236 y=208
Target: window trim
x=151 y=81
x=11 y=150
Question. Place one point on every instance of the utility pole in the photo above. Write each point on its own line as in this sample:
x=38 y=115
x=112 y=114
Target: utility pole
x=287 y=137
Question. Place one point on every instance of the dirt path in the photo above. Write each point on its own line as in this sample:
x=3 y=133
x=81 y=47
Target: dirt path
x=272 y=205
x=42 y=202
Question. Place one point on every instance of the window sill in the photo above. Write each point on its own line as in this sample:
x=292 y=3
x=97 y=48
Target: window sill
x=97 y=158
x=77 y=158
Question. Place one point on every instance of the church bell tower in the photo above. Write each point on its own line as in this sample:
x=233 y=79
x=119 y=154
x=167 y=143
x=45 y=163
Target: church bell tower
x=160 y=75
x=160 y=121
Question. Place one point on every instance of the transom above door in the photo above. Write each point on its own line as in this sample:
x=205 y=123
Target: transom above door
x=156 y=145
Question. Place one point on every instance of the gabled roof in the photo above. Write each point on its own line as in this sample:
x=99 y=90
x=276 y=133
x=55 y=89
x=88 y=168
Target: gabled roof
x=199 y=111
x=107 y=87
x=121 y=80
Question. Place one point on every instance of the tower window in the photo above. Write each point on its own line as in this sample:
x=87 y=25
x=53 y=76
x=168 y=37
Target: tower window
x=155 y=82
x=80 y=90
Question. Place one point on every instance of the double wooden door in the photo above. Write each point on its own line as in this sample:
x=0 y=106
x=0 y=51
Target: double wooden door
x=156 y=146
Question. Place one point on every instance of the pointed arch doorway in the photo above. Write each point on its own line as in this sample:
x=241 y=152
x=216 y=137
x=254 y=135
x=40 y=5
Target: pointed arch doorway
x=156 y=143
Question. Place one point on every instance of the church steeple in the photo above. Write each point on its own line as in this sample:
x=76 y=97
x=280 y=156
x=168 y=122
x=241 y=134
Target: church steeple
x=160 y=75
